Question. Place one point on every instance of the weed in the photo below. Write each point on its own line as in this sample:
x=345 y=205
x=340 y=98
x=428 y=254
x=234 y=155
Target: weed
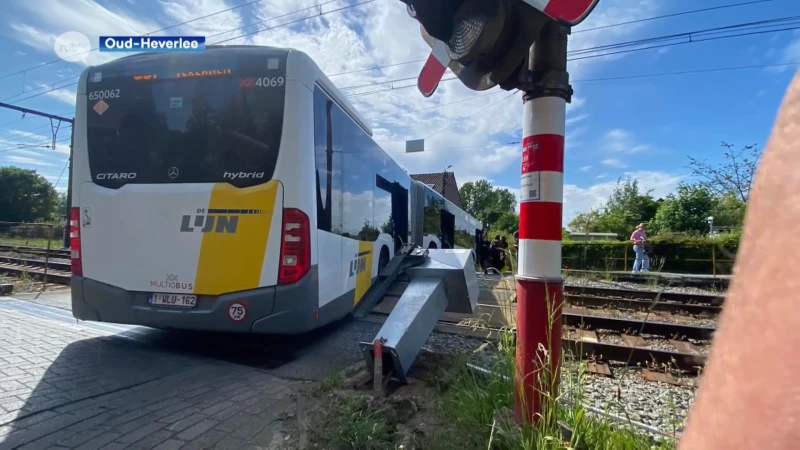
x=329 y=383
x=348 y=423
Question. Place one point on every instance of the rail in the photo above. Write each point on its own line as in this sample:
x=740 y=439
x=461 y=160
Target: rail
x=14 y=235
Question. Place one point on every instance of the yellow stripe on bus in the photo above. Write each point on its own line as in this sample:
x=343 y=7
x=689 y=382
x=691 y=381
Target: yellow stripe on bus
x=364 y=277
x=231 y=257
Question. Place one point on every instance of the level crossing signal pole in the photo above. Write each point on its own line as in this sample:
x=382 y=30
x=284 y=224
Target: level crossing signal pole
x=519 y=44
x=539 y=283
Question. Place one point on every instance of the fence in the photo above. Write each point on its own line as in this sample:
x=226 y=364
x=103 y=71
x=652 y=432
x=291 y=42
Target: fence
x=696 y=258
x=19 y=235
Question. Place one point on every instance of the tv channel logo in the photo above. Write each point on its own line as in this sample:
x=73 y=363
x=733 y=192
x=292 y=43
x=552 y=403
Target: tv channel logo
x=73 y=47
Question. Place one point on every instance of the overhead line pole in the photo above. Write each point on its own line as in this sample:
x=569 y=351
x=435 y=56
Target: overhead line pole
x=36 y=113
x=60 y=119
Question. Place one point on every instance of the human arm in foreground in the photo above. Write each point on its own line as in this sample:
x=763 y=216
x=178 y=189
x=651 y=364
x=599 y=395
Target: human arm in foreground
x=749 y=395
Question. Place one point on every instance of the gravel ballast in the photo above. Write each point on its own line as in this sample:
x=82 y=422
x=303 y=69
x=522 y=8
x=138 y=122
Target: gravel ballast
x=583 y=282
x=656 y=404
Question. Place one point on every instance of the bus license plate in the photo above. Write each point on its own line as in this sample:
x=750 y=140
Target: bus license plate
x=177 y=300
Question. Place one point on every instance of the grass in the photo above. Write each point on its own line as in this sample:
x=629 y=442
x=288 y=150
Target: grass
x=474 y=403
x=468 y=410
x=463 y=409
x=32 y=242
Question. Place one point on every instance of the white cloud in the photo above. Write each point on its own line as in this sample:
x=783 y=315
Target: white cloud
x=64 y=95
x=54 y=17
x=582 y=199
x=613 y=162
x=29 y=161
x=348 y=40
x=575 y=119
x=585 y=169
x=621 y=141
x=188 y=10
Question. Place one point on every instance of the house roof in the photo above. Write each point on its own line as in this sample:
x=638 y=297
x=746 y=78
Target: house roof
x=435 y=181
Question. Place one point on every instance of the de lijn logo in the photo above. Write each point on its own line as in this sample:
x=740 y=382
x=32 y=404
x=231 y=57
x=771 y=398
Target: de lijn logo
x=359 y=264
x=216 y=220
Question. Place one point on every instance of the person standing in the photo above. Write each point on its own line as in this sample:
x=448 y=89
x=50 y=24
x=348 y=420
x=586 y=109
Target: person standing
x=483 y=253
x=516 y=244
x=497 y=255
x=639 y=238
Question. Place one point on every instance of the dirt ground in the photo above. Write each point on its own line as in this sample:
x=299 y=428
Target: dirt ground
x=342 y=411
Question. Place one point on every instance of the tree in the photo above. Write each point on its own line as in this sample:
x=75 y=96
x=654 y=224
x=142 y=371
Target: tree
x=25 y=196
x=61 y=207
x=625 y=208
x=585 y=222
x=729 y=211
x=508 y=222
x=733 y=176
x=686 y=210
x=485 y=202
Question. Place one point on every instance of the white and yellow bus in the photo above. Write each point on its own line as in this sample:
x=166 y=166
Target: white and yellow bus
x=234 y=190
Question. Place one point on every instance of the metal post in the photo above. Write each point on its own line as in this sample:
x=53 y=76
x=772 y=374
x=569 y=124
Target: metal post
x=539 y=283
x=625 y=266
x=50 y=230
x=714 y=260
x=69 y=189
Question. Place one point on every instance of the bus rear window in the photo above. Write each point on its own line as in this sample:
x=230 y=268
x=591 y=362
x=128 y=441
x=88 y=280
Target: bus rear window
x=200 y=129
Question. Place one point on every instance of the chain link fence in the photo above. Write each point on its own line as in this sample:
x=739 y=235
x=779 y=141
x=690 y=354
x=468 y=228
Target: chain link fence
x=44 y=235
x=694 y=258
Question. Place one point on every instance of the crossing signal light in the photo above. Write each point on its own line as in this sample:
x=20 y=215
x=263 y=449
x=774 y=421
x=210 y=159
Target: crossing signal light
x=485 y=42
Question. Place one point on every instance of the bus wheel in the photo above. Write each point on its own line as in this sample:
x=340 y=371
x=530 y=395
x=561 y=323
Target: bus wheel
x=432 y=246
x=383 y=260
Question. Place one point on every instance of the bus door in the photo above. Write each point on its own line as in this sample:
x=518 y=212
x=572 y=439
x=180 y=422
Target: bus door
x=448 y=222
x=399 y=209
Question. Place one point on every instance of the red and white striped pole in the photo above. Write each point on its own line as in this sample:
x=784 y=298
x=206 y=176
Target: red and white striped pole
x=539 y=282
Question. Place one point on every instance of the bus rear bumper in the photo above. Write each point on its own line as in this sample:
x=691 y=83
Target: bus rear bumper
x=289 y=309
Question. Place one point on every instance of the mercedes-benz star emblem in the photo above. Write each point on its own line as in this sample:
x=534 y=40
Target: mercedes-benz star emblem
x=173 y=172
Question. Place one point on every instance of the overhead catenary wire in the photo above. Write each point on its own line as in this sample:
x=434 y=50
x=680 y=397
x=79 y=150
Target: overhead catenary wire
x=379 y=67
x=622 y=77
x=691 y=37
x=30 y=145
x=663 y=16
x=167 y=28
x=215 y=43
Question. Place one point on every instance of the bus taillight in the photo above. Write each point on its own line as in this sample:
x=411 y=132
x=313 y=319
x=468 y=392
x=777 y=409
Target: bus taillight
x=75 y=240
x=295 y=247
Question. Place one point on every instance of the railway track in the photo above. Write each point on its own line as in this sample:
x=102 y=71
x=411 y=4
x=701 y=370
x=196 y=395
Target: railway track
x=635 y=341
x=57 y=272
x=652 y=341
x=37 y=251
x=582 y=344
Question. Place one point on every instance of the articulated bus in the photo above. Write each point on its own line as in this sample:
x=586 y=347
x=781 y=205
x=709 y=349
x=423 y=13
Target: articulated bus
x=235 y=190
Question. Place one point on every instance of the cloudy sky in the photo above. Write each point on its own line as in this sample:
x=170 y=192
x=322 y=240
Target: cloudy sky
x=622 y=121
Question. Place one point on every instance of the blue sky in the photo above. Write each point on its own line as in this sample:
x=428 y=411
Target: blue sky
x=644 y=127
